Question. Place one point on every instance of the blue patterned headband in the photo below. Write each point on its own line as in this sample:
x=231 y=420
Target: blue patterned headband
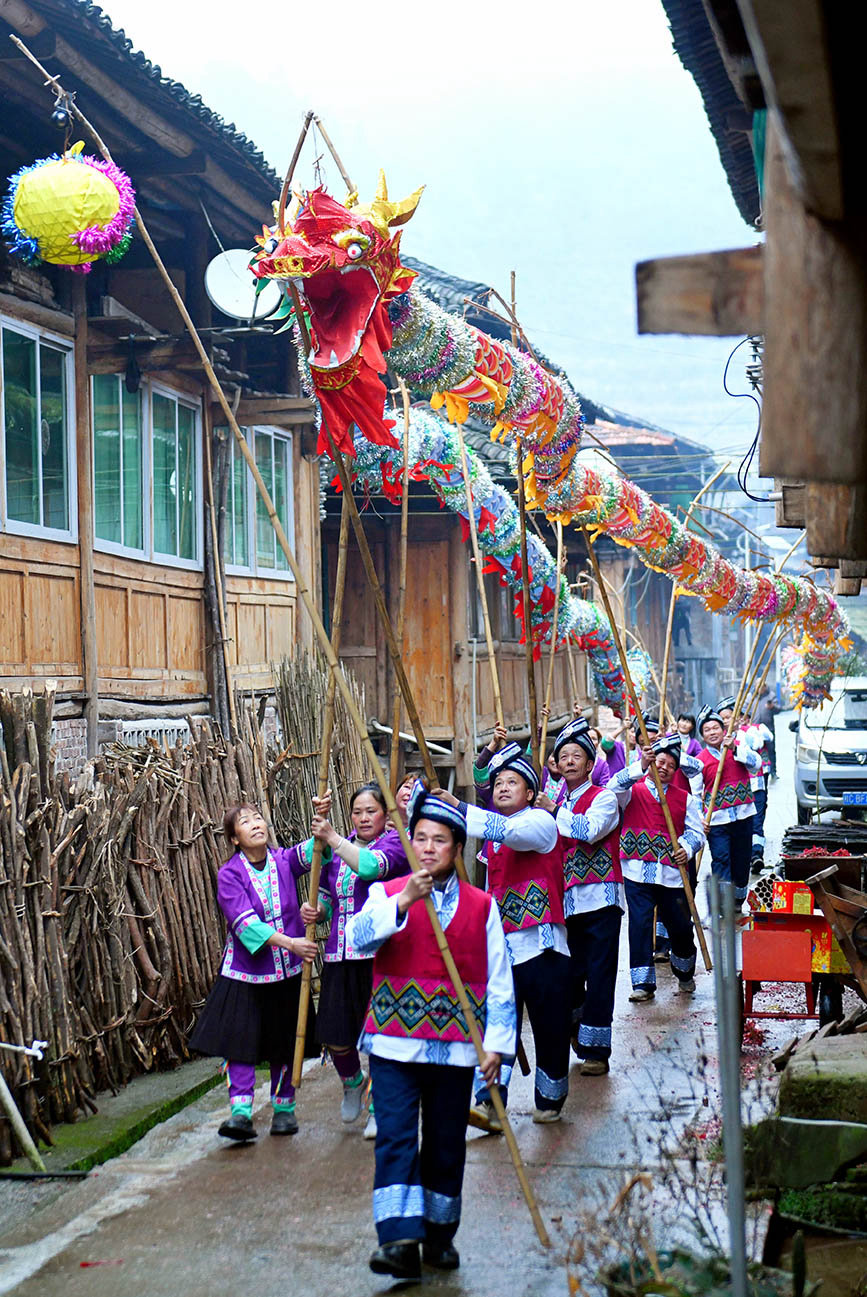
x=512 y=757
x=726 y=704
x=651 y=723
x=670 y=743
x=577 y=731
x=422 y=805
x=706 y=714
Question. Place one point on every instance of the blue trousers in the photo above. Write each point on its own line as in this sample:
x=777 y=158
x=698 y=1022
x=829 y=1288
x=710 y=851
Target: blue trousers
x=594 y=941
x=417 y=1185
x=731 y=849
x=760 y=797
x=670 y=904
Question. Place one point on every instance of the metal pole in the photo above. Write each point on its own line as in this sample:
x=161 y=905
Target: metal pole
x=729 y=1042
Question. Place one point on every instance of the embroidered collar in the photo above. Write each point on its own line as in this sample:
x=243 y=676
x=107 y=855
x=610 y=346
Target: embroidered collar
x=580 y=790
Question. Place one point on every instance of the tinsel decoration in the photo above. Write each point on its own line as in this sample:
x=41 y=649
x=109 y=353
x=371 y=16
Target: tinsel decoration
x=68 y=210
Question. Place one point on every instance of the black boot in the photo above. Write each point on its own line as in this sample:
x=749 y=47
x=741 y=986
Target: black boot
x=442 y=1256
x=284 y=1123
x=239 y=1127
x=400 y=1260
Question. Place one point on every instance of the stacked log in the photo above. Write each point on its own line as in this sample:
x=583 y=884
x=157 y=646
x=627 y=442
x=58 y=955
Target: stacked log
x=110 y=933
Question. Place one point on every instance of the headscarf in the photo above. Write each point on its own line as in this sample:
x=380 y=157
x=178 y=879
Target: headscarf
x=727 y=704
x=512 y=757
x=577 y=731
x=670 y=743
x=422 y=805
x=706 y=714
x=651 y=722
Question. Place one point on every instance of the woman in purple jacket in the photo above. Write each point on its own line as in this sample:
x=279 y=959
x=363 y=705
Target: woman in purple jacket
x=372 y=852
x=251 y=1013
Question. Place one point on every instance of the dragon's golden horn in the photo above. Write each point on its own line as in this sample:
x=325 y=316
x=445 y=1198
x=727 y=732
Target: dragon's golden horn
x=382 y=187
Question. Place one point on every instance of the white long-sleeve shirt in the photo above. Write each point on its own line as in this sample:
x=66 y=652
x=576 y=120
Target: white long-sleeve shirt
x=692 y=839
x=743 y=752
x=378 y=920
x=757 y=735
x=600 y=819
x=527 y=830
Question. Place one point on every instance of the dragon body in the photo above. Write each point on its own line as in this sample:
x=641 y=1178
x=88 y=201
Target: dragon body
x=365 y=315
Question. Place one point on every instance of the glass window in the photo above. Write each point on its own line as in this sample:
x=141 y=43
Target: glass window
x=175 y=488
x=117 y=462
x=36 y=431
x=249 y=539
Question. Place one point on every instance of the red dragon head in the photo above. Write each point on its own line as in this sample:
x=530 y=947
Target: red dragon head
x=345 y=263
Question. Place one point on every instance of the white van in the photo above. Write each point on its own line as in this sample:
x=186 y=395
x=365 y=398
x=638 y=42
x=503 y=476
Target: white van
x=831 y=755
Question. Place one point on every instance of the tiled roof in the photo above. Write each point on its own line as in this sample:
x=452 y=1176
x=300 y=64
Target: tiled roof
x=81 y=14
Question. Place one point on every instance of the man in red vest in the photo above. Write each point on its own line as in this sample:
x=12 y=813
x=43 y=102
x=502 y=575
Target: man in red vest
x=589 y=825
x=730 y=835
x=422 y=1058
x=650 y=861
x=525 y=878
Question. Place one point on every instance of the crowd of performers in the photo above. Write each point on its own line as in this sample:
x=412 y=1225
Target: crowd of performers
x=564 y=858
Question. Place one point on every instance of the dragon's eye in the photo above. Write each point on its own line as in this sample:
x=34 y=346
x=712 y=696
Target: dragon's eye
x=354 y=251
x=353 y=242
x=270 y=246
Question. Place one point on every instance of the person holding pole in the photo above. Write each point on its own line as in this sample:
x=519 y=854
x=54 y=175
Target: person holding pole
x=372 y=852
x=250 y=1015
x=651 y=863
x=588 y=822
x=729 y=819
x=756 y=735
x=421 y=1057
x=525 y=878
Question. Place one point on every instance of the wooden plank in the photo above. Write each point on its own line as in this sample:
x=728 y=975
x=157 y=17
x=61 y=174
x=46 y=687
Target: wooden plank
x=847 y=586
x=716 y=293
x=18 y=308
x=789 y=44
x=836 y=520
x=790 y=508
x=157 y=162
x=815 y=357
x=851 y=567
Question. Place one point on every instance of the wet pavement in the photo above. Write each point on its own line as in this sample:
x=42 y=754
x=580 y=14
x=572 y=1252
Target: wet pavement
x=182 y=1212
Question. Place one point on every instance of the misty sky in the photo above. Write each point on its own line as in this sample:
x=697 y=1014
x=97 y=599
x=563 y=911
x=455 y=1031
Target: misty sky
x=565 y=142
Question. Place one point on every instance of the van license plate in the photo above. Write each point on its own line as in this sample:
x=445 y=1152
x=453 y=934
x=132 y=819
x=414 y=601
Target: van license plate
x=855 y=799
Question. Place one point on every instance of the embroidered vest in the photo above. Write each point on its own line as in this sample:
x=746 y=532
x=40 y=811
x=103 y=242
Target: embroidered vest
x=645 y=835
x=679 y=780
x=527 y=886
x=591 y=862
x=413 y=995
x=734 y=788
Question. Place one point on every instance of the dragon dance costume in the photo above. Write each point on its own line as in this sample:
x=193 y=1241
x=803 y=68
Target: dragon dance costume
x=421 y=1054
x=251 y=1013
x=651 y=878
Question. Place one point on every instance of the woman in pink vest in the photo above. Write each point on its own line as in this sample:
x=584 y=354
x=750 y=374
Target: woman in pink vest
x=525 y=878
x=730 y=835
x=421 y=1055
x=650 y=861
x=588 y=822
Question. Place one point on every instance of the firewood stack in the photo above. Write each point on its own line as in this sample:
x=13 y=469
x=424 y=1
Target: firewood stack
x=110 y=933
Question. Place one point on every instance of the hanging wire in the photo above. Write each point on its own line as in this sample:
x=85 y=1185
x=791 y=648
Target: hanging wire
x=745 y=466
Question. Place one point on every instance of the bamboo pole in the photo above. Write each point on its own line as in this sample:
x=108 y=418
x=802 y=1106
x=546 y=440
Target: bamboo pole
x=322 y=787
x=528 y=624
x=16 y=1121
x=207 y=430
x=753 y=697
x=480 y=581
x=543 y=742
x=654 y=773
x=394 y=753
x=321 y=634
x=290 y=171
x=350 y=187
x=674 y=593
x=733 y=720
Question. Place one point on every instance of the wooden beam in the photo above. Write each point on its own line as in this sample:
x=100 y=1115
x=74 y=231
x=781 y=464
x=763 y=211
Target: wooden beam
x=847 y=586
x=716 y=293
x=43 y=44
x=47 y=318
x=789 y=509
x=789 y=44
x=852 y=567
x=814 y=421
x=837 y=520
x=157 y=163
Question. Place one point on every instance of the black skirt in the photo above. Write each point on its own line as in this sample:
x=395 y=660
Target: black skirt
x=343 y=1001
x=253 y=1022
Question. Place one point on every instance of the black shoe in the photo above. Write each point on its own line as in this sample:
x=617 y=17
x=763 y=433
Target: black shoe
x=400 y=1260
x=238 y=1127
x=757 y=864
x=442 y=1256
x=284 y=1123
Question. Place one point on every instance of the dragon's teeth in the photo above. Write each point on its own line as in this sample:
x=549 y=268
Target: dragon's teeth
x=334 y=360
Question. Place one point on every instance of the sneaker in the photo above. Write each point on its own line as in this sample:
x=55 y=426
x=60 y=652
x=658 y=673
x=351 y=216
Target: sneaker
x=544 y=1116
x=642 y=993
x=687 y=987
x=284 y=1123
x=483 y=1116
x=594 y=1067
x=400 y=1260
x=662 y=952
x=350 y=1106
x=370 y=1127
x=441 y=1257
x=239 y=1127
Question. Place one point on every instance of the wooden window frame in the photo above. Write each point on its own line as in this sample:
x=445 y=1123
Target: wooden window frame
x=150 y=389
x=12 y=527
x=254 y=568
x=143 y=555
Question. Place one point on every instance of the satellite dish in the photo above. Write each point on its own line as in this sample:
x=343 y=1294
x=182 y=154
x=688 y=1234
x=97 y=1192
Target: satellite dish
x=231 y=286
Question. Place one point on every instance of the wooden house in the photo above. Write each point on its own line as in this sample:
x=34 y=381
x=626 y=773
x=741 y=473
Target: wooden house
x=117 y=485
